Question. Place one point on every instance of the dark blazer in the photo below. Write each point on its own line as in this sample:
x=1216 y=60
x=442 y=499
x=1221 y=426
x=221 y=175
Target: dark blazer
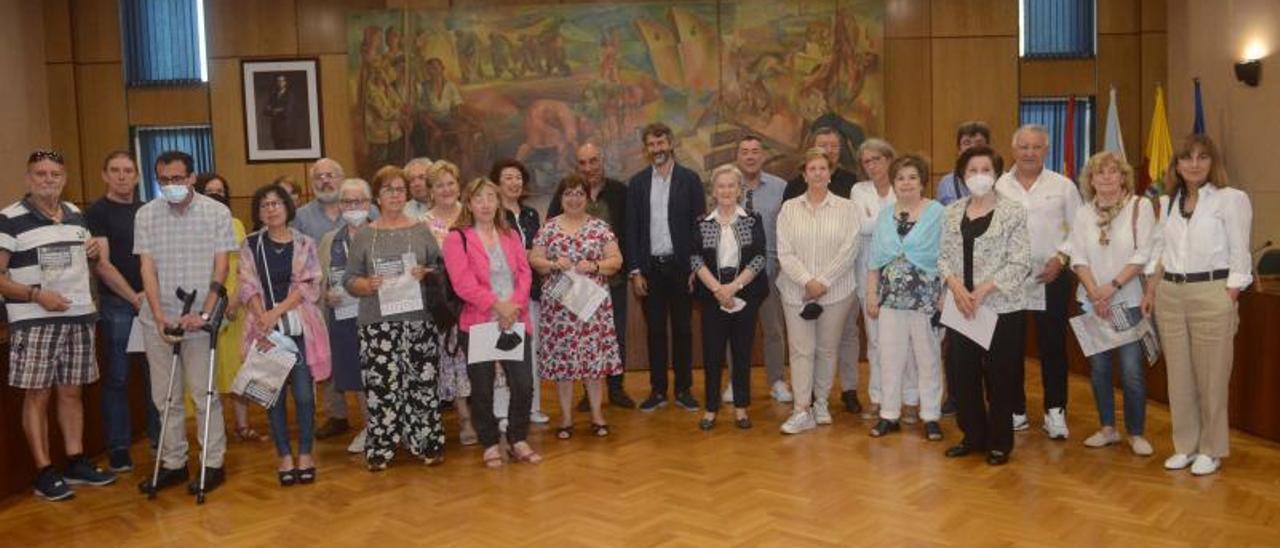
x=614 y=196
x=749 y=229
x=687 y=202
x=841 y=185
x=527 y=224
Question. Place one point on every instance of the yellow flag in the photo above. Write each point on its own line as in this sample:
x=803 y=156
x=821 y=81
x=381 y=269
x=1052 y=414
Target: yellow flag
x=1159 y=146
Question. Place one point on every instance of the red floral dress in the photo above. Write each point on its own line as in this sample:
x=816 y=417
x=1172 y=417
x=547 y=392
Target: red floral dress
x=571 y=349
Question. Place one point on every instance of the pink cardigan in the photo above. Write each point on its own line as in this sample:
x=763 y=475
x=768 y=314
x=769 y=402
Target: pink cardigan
x=306 y=279
x=469 y=275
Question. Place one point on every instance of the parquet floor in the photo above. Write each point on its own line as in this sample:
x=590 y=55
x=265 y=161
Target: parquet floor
x=660 y=481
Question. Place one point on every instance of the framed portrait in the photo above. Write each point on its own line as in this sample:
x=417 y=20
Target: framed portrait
x=282 y=110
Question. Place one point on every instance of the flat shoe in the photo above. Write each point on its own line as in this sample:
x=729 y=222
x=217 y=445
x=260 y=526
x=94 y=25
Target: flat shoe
x=997 y=458
x=564 y=432
x=307 y=475
x=600 y=430
x=957 y=451
x=706 y=425
x=287 y=477
x=743 y=423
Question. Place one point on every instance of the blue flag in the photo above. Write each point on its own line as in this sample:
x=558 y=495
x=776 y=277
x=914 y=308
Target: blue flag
x=1198 y=128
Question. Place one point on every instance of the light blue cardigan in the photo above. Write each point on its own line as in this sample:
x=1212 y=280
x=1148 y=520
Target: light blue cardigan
x=920 y=246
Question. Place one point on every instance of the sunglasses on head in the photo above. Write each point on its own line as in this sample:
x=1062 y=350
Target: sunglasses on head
x=41 y=155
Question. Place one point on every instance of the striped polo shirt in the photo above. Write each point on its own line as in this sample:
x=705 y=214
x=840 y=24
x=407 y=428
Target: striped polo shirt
x=35 y=244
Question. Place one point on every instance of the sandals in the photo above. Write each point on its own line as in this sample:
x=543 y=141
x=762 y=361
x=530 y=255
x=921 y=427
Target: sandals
x=566 y=432
x=248 y=434
x=884 y=426
x=600 y=430
x=288 y=477
x=529 y=456
x=493 y=457
x=307 y=475
x=433 y=460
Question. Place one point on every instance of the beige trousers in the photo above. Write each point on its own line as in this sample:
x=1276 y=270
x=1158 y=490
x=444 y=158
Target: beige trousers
x=813 y=346
x=192 y=376
x=1197 y=323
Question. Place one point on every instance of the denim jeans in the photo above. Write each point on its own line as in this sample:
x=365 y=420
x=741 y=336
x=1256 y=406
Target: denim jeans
x=1133 y=379
x=304 y=406
x=117 y=319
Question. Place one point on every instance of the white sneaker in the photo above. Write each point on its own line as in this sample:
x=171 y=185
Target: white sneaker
x=1020 y=422
x=1102 y=438
x=780 y=392
x=821 y=414
x=1055 y=424
x=727 y=396
x=1178 y=461
x=1205 y=465
x=357 y=444
x=1140 y=446
x=538 y=417
x=798 y=422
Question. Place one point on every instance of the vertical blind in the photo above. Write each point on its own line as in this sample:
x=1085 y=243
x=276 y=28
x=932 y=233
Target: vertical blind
x=1052 y=114
x=153 y=141
x=163 y=41
x=1057 y=28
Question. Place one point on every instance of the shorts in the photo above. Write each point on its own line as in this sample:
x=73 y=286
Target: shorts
x=41 y=356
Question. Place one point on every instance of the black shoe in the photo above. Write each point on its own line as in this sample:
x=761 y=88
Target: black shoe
x=287 y=477
x=958 y=450
x=932 y=431
x=949 y=408
x=167 y=478
x=584 y=404
x=743 y=423
x=118 y=460
x=51 y=486
x=706 y=424
x=687 y=401
x=331 y=428
x=884 y=426
x=307 y=475
x=619 y=398
x=997 y=458
x=82 y=472
x=653 y=402
x=213 y=477
x=851 y=403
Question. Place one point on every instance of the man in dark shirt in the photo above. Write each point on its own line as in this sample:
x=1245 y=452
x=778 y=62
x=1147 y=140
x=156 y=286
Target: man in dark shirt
x=111 y=217
x=842 y=180
x=607 y=200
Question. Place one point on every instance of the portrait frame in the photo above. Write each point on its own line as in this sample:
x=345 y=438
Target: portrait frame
x=282 y=109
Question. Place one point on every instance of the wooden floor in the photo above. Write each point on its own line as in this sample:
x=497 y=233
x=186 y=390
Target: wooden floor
x=660 y=481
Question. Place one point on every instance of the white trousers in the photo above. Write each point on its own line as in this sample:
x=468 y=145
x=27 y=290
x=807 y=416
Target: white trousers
x=849 y=343
x=909 y=344
x=813 y=345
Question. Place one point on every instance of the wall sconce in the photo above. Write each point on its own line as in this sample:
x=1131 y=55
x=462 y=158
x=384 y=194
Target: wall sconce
x=1249 y=72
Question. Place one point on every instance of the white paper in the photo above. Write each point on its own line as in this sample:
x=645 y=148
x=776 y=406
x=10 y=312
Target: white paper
x=578 y=293
x=264 y=373
x=400 y=291
x=348 y=306
x=482 y=345
x=1096 y=335
x=135 y=345
x=65 y=269
x=738 y=304
x=979 y=329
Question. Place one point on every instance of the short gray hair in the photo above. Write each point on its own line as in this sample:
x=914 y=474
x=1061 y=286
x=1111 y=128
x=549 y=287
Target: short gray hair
x=357 y=184
x=1031 y=128
x=878 y=145
x=311 y=173
x=420 y=161
x=729 y=169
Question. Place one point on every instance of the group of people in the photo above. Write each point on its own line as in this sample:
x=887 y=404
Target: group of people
x=415 y=291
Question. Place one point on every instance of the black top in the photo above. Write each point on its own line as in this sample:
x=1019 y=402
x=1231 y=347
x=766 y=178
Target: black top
x=114 y=221
x=278 y=269
x=527 y=224
x=687 y=201
x=749 y=232
x=842 y=182
x=970 y=230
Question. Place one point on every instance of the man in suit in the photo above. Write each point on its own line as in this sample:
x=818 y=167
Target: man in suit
x=665 y=201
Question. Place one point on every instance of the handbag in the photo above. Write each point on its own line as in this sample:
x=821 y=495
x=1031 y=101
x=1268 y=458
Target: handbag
x=291 y=323
x=442 y=301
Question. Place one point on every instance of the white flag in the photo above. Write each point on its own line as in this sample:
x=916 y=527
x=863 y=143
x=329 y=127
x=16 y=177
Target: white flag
x=1114 y=141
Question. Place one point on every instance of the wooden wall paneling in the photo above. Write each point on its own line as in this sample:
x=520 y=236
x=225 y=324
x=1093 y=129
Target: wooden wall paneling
x=95 y=30
x=908 y=110
x=103 y=120
x=1054 y=77
x=974 y=18
x=24 y=102
x=226 y=108
x=435 y=4
x=339 y=140
x=971 y=81
x=57 y=31
x=1154 y=14
x=251 y=28
x=152 y=106
x=1119 y=16
x=906 y=19
x=64 y=131
x=322 y=24
x=1119 y=62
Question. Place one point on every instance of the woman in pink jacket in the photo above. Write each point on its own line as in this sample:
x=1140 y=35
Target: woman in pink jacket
x=279 y=273
x=488 y=268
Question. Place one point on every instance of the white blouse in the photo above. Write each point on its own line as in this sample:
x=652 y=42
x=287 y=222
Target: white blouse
x=727 y=252
x=817 y=243
x=1130 y=243
x=1216 y=237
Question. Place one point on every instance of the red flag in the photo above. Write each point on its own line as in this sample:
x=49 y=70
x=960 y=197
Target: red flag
x=1069 y=140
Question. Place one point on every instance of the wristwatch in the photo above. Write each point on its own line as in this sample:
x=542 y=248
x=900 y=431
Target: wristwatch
x=204 y=316
x=1116 y=284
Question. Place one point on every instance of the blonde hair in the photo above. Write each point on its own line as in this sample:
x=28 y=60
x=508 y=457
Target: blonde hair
x=1095 y=165
x=813 y=154
x=466 y=219
x=439 y=169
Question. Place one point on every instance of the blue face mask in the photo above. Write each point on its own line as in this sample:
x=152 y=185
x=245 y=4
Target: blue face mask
x=175 y=194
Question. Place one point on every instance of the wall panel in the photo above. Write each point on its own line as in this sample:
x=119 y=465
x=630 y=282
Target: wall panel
x=95 y=26
x=906 y=19
x=251 y=28
x=971 y=82
x=64 y=130
x=975 y=18
x=57 y=31
x=168 y=105
x=104 y=123
x=908 y=110
x=1056 y=77
x=337 y=116
x=1119 y=66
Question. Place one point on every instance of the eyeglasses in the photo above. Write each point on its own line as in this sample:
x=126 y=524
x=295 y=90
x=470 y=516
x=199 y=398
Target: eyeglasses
x=175 y=180
x=326 y=175
x=575 y=192
x=271 y=204
x=41 y=155
x=392 y=190
x=353 y=203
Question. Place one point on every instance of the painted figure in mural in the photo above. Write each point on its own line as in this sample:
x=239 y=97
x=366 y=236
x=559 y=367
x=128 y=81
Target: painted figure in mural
x=384 y=117
x=530 y=62
x=553 y=56
x=450 y=132
x=550 y=135
x=468 y=45
x=500 y=51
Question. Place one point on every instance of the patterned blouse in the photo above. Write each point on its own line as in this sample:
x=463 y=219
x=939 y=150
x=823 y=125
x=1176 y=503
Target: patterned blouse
x=904 y=286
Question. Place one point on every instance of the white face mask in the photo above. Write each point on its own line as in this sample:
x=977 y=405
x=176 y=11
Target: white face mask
x=980 y=184
x=175 y=194
x=355 y=217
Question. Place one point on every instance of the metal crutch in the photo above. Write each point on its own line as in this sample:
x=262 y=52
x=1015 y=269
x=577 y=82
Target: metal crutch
x=211 y=326
x=174 y=331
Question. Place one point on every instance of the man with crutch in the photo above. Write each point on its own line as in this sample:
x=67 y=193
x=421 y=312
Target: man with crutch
x=183 y=240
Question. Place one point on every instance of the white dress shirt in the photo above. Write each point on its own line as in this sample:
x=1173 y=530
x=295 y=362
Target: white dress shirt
x=728 y=255
x=659 y=202
x=817 y=243
x=1216 y=237
x=1051 y=205
x=1129 y=244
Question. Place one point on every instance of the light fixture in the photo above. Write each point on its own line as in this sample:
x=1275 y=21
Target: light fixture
x=1249 y=72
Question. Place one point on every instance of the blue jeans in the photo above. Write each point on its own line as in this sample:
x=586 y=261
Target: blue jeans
x=1132 y=378
x=117 y=319
x=304 y=403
